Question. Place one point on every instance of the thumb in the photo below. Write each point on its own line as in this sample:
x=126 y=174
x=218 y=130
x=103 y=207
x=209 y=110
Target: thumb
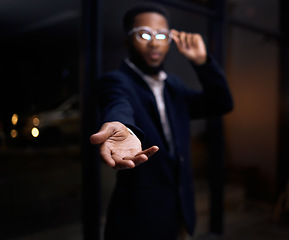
x=97 y=138
x=100 y=137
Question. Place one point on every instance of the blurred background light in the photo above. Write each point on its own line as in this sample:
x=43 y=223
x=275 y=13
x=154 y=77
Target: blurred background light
x=14 y=119
x=36 y=121
x=35 y=132
x=13 y=133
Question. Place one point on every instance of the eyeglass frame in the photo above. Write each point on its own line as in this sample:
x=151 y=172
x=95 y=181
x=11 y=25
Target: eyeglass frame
x=152 y=32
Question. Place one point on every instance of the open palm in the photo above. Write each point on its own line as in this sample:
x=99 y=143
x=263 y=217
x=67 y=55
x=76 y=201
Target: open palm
x=119 y=148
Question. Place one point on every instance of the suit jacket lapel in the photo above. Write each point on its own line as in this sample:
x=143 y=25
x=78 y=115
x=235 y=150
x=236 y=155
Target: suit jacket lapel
x=169 y=101
x=153 y=109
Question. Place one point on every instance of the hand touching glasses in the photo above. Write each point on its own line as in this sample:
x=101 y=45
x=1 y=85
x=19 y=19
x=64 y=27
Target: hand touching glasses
x=191 y=45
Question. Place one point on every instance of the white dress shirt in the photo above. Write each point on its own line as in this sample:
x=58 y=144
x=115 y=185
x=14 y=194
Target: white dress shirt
x=157 y=88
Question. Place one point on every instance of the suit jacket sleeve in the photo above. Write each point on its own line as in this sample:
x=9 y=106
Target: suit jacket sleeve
x=215 y=97
x=114 y=103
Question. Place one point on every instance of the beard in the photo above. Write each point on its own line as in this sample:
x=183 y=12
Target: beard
x=137 y=59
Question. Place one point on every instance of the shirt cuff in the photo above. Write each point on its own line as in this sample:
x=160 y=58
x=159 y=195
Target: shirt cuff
x=131 y=132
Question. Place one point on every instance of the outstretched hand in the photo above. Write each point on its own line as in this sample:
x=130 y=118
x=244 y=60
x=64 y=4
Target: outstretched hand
x=191 y=45
x=119 y=148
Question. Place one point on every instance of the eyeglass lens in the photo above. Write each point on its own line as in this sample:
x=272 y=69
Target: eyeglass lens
x=147 y=36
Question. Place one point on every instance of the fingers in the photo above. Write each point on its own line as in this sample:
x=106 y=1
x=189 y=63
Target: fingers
x=137 y=160
x=106 y=156
x=184 y=39
x=179 y=38
x=114 y=160
x=143 y=156
x=175 y=37
x=191 y=45
x=149 y=152
x=121 y=164
x=118 y=163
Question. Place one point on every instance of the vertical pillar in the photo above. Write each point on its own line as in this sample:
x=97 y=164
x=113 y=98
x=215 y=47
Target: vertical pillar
x=90 y=70
x=216 y=166
x=283 y=153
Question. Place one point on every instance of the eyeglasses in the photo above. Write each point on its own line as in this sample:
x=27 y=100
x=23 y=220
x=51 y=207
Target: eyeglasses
x=146 y=34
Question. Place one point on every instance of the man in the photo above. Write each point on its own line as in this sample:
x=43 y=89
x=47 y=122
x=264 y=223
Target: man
x=142 y=106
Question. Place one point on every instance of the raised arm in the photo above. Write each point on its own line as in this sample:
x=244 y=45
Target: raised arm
x=215 y=97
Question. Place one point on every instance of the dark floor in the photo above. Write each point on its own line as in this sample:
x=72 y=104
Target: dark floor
x=244 y=219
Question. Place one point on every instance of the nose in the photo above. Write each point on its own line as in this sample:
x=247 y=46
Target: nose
x=154 y=42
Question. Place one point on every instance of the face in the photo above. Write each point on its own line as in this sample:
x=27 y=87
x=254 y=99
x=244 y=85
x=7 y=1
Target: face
x=152 y=52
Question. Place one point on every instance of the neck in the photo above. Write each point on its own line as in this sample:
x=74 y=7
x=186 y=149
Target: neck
x=155 y=77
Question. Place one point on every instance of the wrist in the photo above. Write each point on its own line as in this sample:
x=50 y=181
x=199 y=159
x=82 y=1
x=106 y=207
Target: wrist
x=200 y=60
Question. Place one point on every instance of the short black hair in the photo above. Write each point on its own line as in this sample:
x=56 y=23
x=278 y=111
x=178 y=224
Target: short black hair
x=130 y=15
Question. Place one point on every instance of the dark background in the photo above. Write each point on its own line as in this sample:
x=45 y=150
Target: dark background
x=41 y=56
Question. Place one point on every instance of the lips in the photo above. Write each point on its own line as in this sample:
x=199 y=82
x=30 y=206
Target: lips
x=154 y=55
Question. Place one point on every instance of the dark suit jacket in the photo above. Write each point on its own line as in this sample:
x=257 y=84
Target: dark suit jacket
x=152 y=200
